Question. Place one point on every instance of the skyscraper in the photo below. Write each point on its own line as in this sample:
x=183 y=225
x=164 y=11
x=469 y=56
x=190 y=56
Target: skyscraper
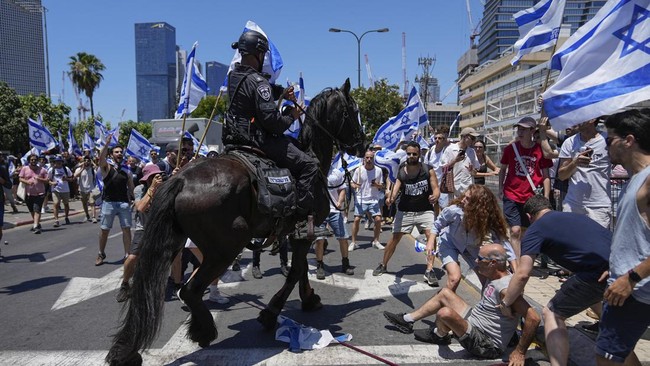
x=22 y=47
x=499 y=30
x=155 y=70
x=215 y=74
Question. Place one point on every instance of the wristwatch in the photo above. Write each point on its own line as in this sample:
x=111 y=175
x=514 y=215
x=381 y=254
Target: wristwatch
x=634 y=277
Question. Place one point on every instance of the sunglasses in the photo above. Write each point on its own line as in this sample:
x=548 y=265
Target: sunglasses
x=412 y=154
x=480 y=258
x=610 y=139
x=438 y=138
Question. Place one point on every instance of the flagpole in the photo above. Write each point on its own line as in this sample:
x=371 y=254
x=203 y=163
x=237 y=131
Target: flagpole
x=548 y=71
x=188 y=92
x=207 y=127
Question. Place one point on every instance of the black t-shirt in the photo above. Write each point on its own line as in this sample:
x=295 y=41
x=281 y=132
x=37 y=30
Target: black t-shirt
x=573 y=241
x=415 y=190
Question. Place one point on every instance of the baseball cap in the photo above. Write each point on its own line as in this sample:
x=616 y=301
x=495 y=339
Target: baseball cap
x=148 y=171
x=527 y=122
x=469 y=131
x=58 y=158
x=172 y=146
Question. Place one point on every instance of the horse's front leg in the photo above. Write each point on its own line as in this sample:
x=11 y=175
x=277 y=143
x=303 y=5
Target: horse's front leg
x=268 y=317
x=310 y=301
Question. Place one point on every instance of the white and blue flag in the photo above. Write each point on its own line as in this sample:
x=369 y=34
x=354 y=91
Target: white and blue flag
x=39 y=136
x=138 y=146
x=204 y=149
x=11 y=168
x=294 y=129
x=539 y=27
x=272 y=60
x=423 y=142
x=101 y=132
x=404 y=125
x=352 y=161
x=194 y=87
x=604 y=66
x=60 y=142
x=88 y=143
x=73 y=147
x=390 y=160
x=32 y=151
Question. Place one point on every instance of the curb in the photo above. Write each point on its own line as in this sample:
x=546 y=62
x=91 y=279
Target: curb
x=43 y=219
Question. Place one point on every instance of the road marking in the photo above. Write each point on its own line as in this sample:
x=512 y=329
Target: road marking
x=62 y=255
x=82 y=288
x=115 y=235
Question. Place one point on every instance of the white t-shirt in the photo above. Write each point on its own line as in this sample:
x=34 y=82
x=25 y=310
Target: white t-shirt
x=334 y=186
x=57 y=175
x=364 y=177
x=462 y=176
x=588 y=186
x=433 y=159
x=86 y=178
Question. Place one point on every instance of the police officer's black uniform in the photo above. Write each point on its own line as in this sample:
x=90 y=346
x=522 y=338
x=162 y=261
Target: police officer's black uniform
x=253 y=119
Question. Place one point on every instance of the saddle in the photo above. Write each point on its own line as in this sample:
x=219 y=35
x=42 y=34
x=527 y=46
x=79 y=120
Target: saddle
x=276 y=188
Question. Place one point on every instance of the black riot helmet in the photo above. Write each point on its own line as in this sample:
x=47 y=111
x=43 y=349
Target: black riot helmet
x=251 y=43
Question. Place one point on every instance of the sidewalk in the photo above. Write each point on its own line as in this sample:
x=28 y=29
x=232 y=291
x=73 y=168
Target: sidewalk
x=23 y=217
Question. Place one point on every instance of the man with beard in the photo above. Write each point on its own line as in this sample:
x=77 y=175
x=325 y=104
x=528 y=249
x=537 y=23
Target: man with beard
x=116 y=197
x=418 y=186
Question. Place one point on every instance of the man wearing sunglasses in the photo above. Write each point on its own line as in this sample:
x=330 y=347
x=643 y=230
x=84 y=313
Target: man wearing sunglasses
x=462 y=157
x=482 y=329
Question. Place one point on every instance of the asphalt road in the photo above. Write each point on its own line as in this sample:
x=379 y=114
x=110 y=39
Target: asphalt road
x=60 y=309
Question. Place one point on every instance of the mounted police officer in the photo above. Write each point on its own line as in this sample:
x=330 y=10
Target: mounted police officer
x=253 y=118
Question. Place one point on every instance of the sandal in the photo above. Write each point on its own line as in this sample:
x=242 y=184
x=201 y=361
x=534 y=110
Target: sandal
x=562 y=273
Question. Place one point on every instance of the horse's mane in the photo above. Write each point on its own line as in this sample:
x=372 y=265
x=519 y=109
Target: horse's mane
x=317 y=109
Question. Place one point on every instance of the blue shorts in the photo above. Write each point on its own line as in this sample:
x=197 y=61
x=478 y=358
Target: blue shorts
x=361 y=208
x=621 y=327
x=335 y=221
x=119 y=209
x=449 y=253
x=514 y=213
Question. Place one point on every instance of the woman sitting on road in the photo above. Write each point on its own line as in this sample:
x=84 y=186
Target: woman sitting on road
x=463 y=226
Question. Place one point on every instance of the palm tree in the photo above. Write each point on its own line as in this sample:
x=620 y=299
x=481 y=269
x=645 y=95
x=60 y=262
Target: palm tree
x=85 y=74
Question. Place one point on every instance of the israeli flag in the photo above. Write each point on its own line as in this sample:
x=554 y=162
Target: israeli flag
x=352 y=161
x=272 y=60
x=138 y=146
x=423 y=142
x=39 y=136
x=194 y=87
x=294 y=129
x=32 y=151
x=101 y=132
x=604 y=66
x=204 y=149
x=88 y=143
x=60 y=142
x=73 y=147
x=539 y=27
x=11 y=168
x=404 y=125
x=390 y=160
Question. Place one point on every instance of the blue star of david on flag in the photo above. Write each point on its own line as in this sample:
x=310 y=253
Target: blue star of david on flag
x=37 y=135
x=626 y=33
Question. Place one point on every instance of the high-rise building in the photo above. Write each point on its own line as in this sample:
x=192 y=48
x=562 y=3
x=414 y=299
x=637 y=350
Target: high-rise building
x=215 y=74
x=181 y=59
x=155 y=70
x=22 y=46
x=499 y=30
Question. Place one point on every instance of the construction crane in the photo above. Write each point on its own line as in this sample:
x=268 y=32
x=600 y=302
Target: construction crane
x=474 y=30
x=81 y=108
x=406 y=80
x=62 y=95
x=370 y=78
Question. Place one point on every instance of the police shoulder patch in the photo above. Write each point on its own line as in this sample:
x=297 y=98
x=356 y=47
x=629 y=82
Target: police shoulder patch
x=264 y=91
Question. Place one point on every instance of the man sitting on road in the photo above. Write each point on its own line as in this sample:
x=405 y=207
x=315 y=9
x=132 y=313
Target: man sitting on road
x=575 y=242
x=485 y=332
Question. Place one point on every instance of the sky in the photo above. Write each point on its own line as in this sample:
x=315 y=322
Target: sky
x=433 y=28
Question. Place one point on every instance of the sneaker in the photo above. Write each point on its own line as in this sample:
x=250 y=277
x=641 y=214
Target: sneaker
x=285 y=270
x=15 y=210
x=380 y=270
x=367 y=225
x=32 y=228
x=377 y=245
x=320 y=272
x=37 y=231
x=591 y=329
x=123 y=293
x=346 y=267
x=215 y=296
x=352 y=246
x=429 y=336
x=94 y=220
x=100 y=259
x=430 y=278
x=88 y=218
x=257 y=273
x=56 y=223
x=398 y=321
x=67 y=221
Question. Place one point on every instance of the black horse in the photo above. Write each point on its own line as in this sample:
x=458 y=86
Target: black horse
x=213 y=202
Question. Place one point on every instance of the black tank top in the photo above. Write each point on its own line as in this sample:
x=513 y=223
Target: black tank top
x=415 y=190
x=116 y=186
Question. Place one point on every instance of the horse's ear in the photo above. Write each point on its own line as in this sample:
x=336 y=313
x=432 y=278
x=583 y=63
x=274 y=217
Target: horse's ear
x=346 y=86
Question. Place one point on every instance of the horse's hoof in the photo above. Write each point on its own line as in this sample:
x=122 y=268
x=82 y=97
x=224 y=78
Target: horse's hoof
x=312 y=303
x=268 y=319
x=133 y=359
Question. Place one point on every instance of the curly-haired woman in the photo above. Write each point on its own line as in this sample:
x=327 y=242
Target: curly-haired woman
x=464 y=226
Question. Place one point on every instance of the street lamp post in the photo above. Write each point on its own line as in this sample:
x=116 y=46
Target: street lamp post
x=337 y=30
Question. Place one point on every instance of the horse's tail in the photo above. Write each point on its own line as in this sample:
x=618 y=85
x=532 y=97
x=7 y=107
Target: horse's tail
x=161 y=242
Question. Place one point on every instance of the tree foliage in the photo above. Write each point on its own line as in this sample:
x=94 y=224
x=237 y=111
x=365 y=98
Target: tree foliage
x=13 y=122
x=85 y=73
x=377 y=104
x=204 y=109
x=125 y=130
